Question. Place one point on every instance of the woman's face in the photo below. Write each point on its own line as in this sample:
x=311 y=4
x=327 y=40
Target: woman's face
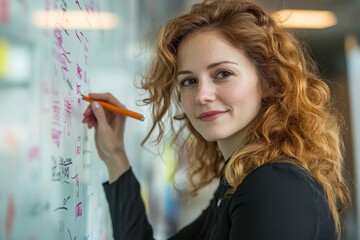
x=219 y=87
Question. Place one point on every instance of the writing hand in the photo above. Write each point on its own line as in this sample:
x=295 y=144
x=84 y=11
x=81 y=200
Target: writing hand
x=109 y=134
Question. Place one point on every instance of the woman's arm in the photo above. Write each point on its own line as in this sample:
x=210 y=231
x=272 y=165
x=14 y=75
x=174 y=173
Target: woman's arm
x=123 y=190
x=127 y=208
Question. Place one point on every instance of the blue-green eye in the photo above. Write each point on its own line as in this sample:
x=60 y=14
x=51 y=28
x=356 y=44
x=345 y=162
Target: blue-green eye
x=187 y=82
x=223 y=74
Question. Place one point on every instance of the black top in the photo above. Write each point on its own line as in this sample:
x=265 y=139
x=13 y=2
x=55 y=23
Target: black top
x=277 y=201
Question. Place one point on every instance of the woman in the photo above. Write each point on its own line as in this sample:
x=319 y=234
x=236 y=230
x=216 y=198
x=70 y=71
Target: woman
x=256 y=114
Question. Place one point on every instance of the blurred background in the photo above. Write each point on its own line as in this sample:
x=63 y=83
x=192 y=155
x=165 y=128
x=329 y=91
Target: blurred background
x=51 y=51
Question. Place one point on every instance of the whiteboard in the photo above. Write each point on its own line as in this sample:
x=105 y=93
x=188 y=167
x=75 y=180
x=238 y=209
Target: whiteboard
x=51 y=178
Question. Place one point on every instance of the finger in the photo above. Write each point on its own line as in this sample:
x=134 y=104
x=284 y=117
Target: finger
x=107 y=97
x=89 y=119
x=91 y=123
x=88 y=112
x=99 y=113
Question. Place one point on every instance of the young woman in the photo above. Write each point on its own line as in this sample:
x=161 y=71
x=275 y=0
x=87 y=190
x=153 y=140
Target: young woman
x=256 y=115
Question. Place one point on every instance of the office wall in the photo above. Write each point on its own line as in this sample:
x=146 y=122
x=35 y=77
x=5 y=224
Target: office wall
x=353 y=70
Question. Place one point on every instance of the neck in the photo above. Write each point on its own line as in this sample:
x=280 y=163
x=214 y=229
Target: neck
x=228 y=145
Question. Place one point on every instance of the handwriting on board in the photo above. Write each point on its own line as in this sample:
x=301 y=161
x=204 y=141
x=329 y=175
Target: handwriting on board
x=55 y=202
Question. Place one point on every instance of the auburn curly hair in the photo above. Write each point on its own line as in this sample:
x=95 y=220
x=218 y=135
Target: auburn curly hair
x=296 y=123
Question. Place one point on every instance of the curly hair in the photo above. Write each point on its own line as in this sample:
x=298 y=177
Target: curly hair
x=296 y=123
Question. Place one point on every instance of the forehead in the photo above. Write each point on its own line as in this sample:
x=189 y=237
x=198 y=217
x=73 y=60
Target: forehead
x=202 y=38
x=206 y=47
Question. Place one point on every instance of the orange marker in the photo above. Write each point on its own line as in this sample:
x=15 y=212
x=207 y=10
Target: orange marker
x=116 y=109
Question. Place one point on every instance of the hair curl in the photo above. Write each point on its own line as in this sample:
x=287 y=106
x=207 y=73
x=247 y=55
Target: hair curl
x=296 y=122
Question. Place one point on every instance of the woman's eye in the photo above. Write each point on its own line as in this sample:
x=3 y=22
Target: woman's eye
x=223 y=74
x=187 y=82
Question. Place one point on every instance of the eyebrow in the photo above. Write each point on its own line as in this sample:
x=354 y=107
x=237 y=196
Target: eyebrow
x=208 y=67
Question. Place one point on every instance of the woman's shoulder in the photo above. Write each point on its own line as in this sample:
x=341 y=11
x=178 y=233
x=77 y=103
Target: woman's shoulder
x=281 y=199
x=273 y=172
x=280 y=180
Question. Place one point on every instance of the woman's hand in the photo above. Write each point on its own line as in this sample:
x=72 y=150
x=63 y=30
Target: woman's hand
x=109 y=134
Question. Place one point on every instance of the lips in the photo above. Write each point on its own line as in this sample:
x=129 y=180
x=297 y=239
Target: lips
x=211 y=115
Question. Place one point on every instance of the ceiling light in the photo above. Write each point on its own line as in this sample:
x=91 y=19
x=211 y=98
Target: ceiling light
x=290 y=18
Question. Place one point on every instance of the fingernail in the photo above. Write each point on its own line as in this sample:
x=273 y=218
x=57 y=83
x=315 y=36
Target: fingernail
x=95 y=105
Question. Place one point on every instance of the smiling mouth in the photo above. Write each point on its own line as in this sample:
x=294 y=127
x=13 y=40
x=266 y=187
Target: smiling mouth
x=210 y=116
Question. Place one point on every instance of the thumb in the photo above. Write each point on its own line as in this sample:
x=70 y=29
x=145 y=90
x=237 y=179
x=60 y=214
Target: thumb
x=98 y=112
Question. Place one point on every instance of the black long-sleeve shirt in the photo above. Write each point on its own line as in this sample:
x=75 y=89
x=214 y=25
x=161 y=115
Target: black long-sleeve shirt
x=277 y=201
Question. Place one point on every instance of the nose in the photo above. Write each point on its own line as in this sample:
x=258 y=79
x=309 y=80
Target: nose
x=205 y=92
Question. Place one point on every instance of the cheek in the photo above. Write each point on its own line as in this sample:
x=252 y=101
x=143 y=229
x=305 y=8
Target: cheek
x=255 y=102
x=246 y=99
x=186 y=102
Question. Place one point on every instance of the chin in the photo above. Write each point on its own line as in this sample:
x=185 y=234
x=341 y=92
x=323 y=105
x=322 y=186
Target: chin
x=212 y=138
